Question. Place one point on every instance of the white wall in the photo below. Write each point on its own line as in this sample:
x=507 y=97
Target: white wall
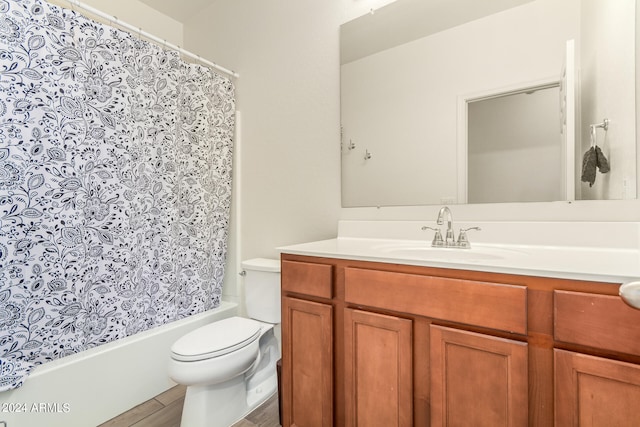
x=606 y=75
x=286 y=53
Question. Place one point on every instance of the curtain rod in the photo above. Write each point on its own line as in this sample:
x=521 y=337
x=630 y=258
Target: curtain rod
x=149 y=36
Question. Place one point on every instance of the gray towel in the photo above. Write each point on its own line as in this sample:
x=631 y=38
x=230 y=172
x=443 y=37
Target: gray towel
x=601 y=161
x=593 y=159
x=589 y=161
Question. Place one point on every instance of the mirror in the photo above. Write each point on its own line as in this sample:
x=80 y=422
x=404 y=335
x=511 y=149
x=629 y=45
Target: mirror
x=508 y=138
x=414 y=77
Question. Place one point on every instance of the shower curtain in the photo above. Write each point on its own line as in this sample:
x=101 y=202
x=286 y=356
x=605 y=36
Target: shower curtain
x=115 y=185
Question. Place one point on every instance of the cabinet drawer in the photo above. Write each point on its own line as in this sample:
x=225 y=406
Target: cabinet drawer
x=600 y=321
x=490 y=305
x=307 y=278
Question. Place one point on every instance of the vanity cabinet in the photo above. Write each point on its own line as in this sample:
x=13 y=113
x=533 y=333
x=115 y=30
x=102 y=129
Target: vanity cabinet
x=595 y=391
x=307 y=346
x=378 y=375
x=375 y=344
x=592 y=390
x=477 y=377
x=468 y=375
x=308 y=371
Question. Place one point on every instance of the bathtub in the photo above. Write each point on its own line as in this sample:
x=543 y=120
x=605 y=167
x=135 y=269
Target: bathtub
x=89 y=388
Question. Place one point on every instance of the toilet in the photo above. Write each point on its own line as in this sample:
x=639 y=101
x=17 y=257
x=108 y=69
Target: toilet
x=229 y=366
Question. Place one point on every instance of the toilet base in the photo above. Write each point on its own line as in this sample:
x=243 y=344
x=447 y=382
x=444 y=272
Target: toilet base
x=221 y=405
x=213 y=405
x=262 y=392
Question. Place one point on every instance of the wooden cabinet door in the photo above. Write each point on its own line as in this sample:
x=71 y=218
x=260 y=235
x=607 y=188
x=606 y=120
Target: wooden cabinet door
x=477 y=379
x=378 y=370
x=307 y=363
x=595 y=392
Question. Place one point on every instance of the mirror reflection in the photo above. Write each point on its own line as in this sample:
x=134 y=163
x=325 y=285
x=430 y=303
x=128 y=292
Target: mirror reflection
x=509 y=137
x=414 y=101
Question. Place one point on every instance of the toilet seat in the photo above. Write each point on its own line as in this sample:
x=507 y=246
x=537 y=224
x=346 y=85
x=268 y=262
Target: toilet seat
x=216 y=339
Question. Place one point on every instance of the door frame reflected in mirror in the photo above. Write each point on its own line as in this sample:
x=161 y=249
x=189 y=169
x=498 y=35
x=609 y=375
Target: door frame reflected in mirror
x=462 y=142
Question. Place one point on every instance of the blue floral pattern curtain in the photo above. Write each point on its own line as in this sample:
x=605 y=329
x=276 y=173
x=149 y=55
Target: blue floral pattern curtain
x=115 y=185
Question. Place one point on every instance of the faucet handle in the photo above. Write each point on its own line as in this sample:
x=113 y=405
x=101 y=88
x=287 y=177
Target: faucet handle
x=437 y=237
x=463 y=241
x=449 y=238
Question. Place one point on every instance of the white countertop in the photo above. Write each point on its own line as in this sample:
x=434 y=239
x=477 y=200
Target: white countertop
x=614 y=263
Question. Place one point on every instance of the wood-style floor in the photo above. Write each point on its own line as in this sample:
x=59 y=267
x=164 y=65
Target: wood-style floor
x=165 y=410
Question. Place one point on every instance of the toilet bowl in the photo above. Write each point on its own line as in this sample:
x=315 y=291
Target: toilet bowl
x=195 y=359
x=229 y=366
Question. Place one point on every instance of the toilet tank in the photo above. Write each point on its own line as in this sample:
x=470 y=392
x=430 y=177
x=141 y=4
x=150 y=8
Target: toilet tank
x=262 y=289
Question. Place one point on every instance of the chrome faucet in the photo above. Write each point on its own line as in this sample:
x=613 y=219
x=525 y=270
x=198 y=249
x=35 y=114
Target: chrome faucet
x=449 y=239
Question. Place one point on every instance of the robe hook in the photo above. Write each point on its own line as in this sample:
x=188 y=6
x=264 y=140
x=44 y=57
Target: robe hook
x=604 y=125
x=592 y=128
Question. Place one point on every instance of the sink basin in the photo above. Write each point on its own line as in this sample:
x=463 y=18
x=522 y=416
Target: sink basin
x=424 y=251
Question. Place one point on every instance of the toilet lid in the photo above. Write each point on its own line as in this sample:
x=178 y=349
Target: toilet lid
x=216 y=339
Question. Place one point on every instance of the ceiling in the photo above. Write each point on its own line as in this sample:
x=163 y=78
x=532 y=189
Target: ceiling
x=180 y=10
x=394 y=24
x=405 y=20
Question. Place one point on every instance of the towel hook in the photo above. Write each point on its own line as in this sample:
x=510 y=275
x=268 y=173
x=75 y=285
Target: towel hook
x=604 y=125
